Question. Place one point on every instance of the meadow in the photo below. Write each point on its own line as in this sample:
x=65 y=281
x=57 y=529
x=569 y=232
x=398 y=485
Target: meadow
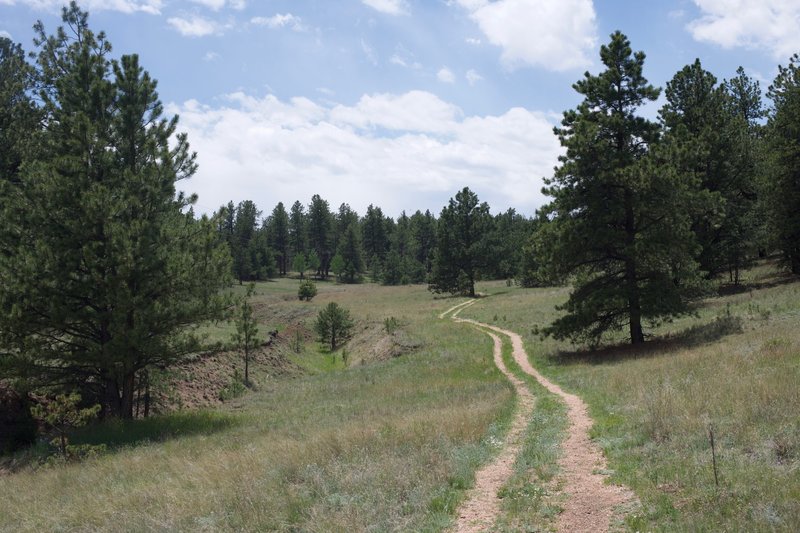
x=390 y=441
x=389 y=445
x=732 y=367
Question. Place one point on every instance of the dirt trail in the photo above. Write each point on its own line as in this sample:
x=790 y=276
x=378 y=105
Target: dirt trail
x=482 y=505
x=590 y=502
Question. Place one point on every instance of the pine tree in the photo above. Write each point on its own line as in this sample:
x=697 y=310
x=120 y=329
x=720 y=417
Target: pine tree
x=298 y=231
x=333 y=325
x=351 y=254
x=783 y=132
x=246 y=334
x=618 y=219
x=423 y=238
x=244 y=246
x=19 y=116
x=373 y=229
x=279 y=236
x=462 y=245
x=108 y=270
x=320 y=233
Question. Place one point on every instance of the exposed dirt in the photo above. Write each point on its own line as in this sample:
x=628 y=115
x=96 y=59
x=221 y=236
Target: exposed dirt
x=482 y=505
x=590 y=503
x=198 y=381
x=373 y=343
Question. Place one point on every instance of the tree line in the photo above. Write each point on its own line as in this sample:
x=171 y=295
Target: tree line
x=315 y=239
x=106 y=271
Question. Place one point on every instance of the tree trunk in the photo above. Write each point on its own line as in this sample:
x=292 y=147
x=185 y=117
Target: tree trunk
x=632 y=287
x=112 y=402
x=128 y=389
x=246 y=366
x=146 y=393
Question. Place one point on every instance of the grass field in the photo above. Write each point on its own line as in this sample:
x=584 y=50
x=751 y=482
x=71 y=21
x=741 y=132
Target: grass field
x=387 y=444
x=734 y=368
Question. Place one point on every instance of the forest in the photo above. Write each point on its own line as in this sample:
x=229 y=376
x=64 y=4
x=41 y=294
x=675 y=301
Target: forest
x=109 y=278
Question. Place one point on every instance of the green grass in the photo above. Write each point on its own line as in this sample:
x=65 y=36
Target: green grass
x=393 y=445
x=734 y=367
x=385 y=446
x=529 y=497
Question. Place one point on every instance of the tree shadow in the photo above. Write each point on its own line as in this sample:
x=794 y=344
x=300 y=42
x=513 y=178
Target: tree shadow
x=775 y=280
x=116 y=434
x=658 y=346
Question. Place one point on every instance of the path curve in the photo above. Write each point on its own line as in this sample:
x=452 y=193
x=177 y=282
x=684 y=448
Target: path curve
x=590 y=502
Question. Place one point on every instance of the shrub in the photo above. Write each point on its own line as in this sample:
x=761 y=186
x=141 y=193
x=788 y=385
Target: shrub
x=333 y=325
x=307 y=290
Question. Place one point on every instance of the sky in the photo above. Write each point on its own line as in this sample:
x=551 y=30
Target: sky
x=401 y=103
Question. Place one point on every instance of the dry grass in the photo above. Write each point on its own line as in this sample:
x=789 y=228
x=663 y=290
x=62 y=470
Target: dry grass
x=385 y=446
x=735 y=367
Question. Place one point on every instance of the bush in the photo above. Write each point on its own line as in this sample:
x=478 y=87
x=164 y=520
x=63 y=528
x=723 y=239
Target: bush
x=391 y=324
x=333 y=325
x=307 y=290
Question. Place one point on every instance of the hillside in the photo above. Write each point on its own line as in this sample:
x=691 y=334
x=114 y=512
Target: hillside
x=393 y=440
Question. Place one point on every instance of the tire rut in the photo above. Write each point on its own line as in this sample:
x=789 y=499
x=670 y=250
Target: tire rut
x=591 y=503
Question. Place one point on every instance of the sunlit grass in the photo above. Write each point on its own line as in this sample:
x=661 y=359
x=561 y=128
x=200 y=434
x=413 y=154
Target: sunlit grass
x=733 y=368
x=384 y=446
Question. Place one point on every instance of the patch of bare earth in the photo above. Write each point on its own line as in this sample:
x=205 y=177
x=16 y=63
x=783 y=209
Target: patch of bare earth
x=591 y=502
x=482 y=505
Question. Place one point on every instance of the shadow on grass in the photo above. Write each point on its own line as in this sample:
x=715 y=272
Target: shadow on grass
x=688 y=338
x=775 y=280
x=120 y=433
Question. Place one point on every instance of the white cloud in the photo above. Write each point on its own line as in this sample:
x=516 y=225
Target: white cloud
x=555 y=34
x=5 y=34
x=771 y=25
x=279 y=21
x=194 y=26
x=216 y=5
x=152 y=7
x=389 y=7
x=445 y=75
x=211 y=56
x=369 y=52
x=418 y=111
x=472 y=40
x=473 y=77
x=401 y=152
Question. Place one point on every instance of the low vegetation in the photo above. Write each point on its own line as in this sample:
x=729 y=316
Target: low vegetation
x=732 y=367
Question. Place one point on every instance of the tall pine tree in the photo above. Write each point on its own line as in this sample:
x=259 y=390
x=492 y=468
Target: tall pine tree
x=462 y=245
x=783 y=130
x=108 y=270
x=619 y=224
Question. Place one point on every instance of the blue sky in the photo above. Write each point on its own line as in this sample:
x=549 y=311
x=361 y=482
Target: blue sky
x=400 y=103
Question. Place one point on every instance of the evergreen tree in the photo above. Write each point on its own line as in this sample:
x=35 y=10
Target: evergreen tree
x=744 y=226
x=333 y=325
x=783 y=131
x=19 y=116
x=300 y=264
x=701 y=131
x=298 y=231
x=107 y=269
x=279 y=236
x=243 y=245
x=462 y=245
x=351 y=254
x=423 y=238
x=341 y=221
x=320 y=233
x=373 y=229
x=618 y=218
x=246 y=334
